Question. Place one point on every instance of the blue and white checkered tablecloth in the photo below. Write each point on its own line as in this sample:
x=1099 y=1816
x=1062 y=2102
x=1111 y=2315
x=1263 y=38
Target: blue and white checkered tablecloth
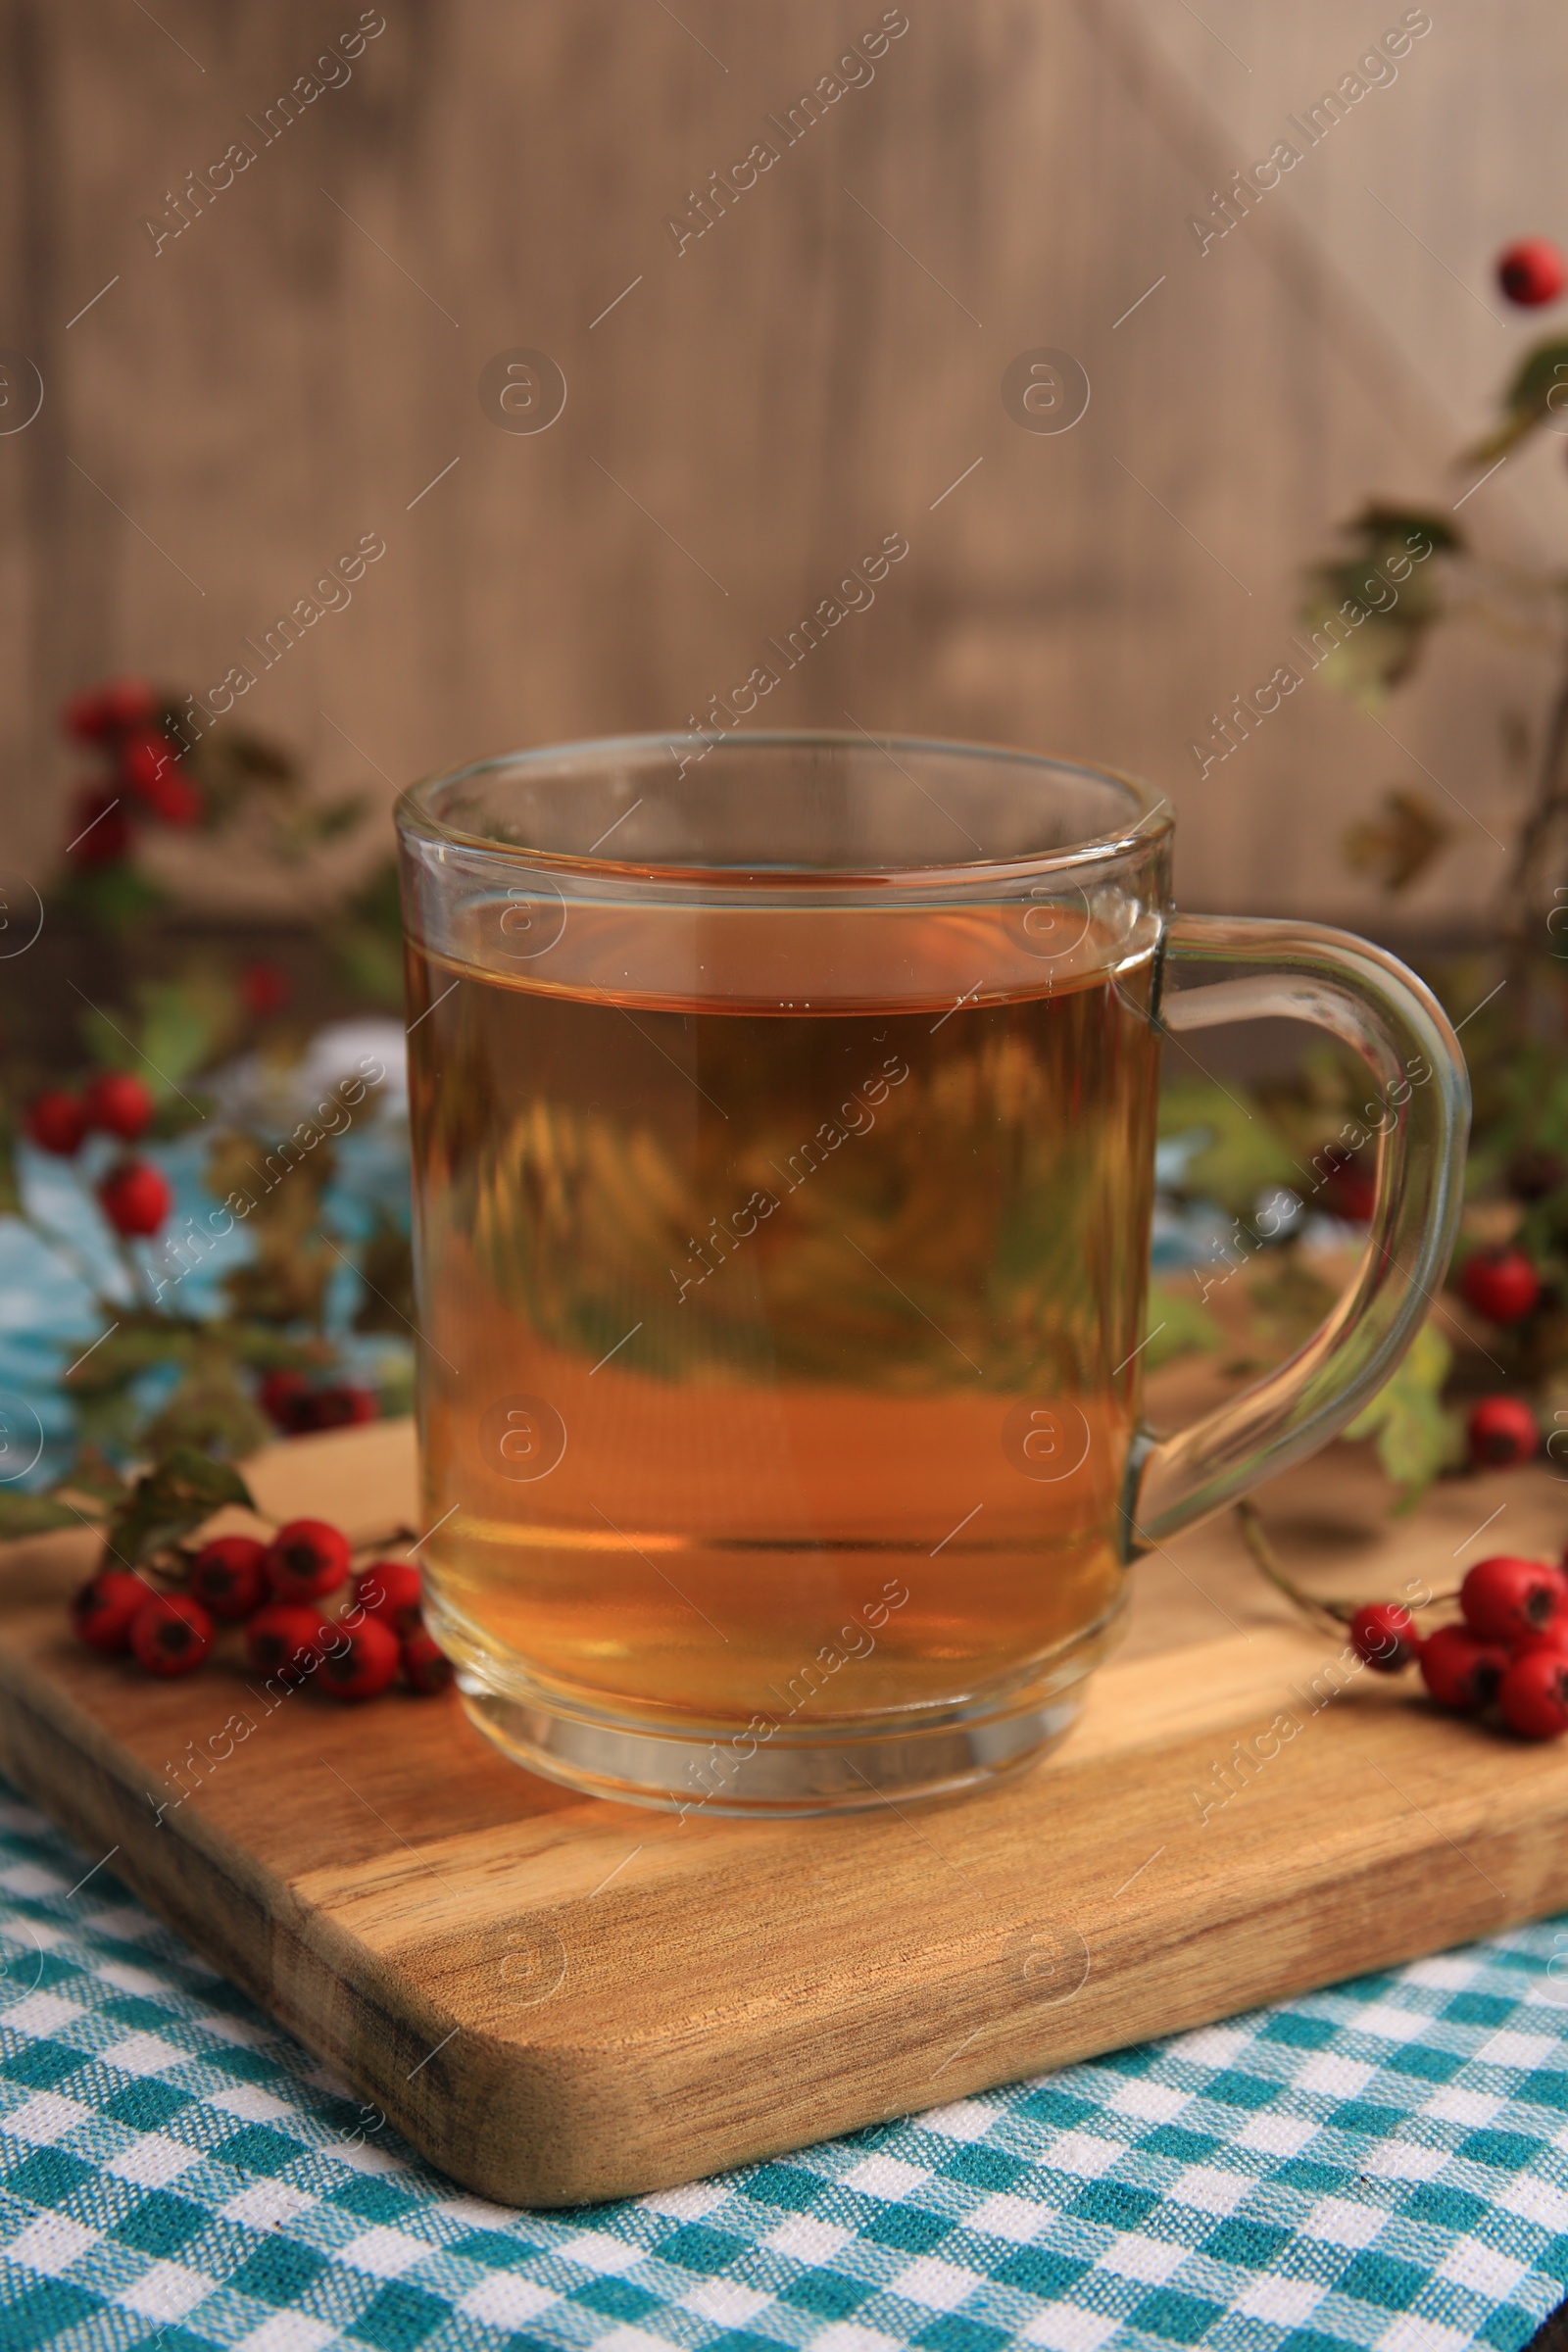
x=1385 y=2164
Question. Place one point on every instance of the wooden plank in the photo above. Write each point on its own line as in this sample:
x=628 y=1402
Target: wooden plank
x=560 y=2000
x=286 y=374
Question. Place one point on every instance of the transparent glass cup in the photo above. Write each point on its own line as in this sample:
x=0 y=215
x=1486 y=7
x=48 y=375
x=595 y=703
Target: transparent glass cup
x=783 y=1116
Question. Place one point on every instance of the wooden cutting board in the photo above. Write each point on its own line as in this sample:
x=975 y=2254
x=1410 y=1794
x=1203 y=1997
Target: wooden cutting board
x=560 y=2000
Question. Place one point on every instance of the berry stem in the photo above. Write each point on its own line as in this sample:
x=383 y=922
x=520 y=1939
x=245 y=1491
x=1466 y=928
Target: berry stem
x=1330 y=1615
x=66 y=1249
x=380 y=1538
x=139 y=1275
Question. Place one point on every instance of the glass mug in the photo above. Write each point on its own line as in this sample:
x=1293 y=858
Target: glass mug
x=783 y=1117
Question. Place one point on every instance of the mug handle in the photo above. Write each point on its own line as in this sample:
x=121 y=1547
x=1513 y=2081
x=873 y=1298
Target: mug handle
x=1420 y=1113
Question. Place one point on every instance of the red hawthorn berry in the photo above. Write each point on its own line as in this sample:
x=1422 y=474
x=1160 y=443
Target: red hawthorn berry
x=144 y=757
x=426 y=1668
x=103 y=710
x=1505 y=1598
x=57 y=1122
x=286 y=1638
x=118 y=1104
x=306 y=1558
x=1350 y=1190
x=392 y=1590
x=279 y=1393
x=149 y=767
x=1534 y=1695
x=127 y=702
x=264 y=990
x=176 y=801
x=135 y=1198
x=360 y=1662
x=102 y=1611
x=299 y=1411
x=171 y=1633
x=1385 y=1636
x=228 y=1577
x=1530 y=271
x=1503 y=1285
x=342 y=1408
x=1550 y=1636
x=1502 y=1431
x=1354 y=1197
x=1462 y=1673
x=99 y=829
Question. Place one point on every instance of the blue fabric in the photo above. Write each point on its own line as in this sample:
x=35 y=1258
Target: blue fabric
x=1382 y=2165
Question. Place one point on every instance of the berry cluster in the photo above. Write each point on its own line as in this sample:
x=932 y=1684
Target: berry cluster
x=126 y=720
x=134 y=1196
x=276 y=1592
x=1511 y=1649
x=136 y=1199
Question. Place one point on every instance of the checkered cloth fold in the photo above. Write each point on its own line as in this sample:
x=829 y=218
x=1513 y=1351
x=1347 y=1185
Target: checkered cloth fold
x=1385 y=2164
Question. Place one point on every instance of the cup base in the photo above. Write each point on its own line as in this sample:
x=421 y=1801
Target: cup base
x=790 y=1770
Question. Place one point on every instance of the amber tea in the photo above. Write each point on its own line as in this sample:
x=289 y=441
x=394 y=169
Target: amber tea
x=772 y=1281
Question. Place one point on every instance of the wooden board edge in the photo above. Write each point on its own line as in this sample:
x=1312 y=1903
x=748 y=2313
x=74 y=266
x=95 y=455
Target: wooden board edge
x=367 y=2022
x=565 y=2124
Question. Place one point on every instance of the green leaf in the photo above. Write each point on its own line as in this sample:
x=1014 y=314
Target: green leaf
x=178 y=1028
x=379 y=901
x=258 y=757
x=1539 y=391
x=368 y=941
x=171 y=1499
x=125 y=1355
x=1244 y=1153
x=369 y=961
x=182 y=1021
x=229 y=765
x=266 y=1349
x=1414 y=1435
x=113 y=898
x=1177 y=1325
x=211 y=1410
x=327 y=820
x=1369 y=624
x=1397 y=845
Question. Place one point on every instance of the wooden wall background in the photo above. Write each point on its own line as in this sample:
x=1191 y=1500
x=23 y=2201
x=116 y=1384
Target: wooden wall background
x=297 y=366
